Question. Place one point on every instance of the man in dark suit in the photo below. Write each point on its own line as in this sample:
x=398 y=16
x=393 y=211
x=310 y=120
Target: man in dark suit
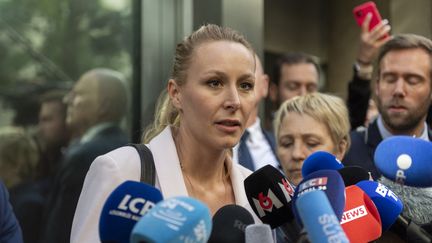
x=10 y=231
x=403 y=92
x=96 y=105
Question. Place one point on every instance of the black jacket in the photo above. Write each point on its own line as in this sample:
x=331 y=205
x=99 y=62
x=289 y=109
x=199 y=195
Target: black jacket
x=58 y=214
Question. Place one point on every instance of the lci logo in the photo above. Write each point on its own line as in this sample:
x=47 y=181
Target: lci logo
x=315 y=182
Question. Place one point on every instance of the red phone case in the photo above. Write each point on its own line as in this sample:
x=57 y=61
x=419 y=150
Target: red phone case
x=362 y=10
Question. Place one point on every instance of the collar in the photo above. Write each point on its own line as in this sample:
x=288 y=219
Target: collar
x=169 y=173
x=254 y=129
x=386 y=133
x=95 y=130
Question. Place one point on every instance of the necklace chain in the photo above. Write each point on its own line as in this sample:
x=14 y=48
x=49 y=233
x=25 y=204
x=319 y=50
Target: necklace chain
x=193 y=188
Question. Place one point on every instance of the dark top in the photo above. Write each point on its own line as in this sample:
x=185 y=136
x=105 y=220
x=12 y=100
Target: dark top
x=10 y=231
x=58 y=214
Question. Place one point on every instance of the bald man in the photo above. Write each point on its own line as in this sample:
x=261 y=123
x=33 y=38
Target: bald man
x=95 y=106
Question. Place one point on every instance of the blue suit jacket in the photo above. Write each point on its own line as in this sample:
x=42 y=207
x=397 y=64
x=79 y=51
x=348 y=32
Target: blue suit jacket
x=10 y=231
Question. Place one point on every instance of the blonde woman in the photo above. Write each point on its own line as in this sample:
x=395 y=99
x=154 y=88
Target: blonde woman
x=202 y=116
x=309 y=123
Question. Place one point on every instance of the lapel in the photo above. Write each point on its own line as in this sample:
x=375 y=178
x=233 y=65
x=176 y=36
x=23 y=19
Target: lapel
x=167 y=165
x=169 y=173
x=373 y=136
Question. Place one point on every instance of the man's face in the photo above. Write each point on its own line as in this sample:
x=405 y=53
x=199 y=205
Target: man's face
x=83 y=104
x=52 y=123
x=297 y=79
x=404 y=89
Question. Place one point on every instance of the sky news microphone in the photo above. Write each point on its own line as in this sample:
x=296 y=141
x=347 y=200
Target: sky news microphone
x=318 y=217
x=388 y=204
x=351 y=175
x=328 y=181
x=269 y=193
x=360 y=221
x=258 y=233
x=123 y=208
x=177 y=219
x=405 y=160
x=229 y=224
x=320 y=160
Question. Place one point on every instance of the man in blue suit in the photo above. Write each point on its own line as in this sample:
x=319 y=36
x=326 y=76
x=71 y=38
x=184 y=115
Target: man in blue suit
x=10 y=231
x=96 y=105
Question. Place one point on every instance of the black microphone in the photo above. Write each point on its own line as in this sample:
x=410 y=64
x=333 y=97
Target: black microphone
x=270 y=194
x=410 y=231
x=229 y=224
x=351 y=175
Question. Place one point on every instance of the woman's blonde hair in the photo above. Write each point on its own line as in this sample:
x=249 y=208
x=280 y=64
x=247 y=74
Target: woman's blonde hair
x=166 y=114
x=327 y=109
x=19 y=156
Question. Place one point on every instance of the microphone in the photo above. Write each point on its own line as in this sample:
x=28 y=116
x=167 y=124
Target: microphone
x=328 y=181
x=177 y=219
x=123 y=208
x=410 y=231
x=258 y=233
x=361 y=220
x=320 y=160
x=405 y=160
x=269 y=193
x=318 y=217
x=229 y=224
x=388 y=204
x=351 y=175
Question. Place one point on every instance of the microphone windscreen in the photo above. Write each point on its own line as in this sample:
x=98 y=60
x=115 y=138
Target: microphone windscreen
x=320 y=160
x=229 y=224
x=177 y=219
x=258 y=233
x=269 y=193
x=318 y=218
x=351 y=175
x=123 y=208
x=388 y=204
x=360 y=221
x=405 y=160
x=328 y=181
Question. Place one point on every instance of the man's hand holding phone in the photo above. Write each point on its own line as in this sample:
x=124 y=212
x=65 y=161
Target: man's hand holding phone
x=371 y=41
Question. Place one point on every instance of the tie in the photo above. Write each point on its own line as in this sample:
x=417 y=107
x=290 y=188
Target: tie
x=244 y=157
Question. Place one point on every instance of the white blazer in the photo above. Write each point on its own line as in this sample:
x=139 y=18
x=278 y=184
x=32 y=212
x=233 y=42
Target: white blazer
x=110 y=170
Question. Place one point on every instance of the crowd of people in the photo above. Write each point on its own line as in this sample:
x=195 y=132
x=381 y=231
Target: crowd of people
x=207 y=136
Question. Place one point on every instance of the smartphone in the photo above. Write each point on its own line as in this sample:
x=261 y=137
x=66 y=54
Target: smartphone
x=362 y=10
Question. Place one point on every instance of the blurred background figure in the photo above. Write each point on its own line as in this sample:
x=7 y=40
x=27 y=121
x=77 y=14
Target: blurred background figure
x=309 y=123
x=294 y=74
x=10 y=231
x=53 y=134
x=95 y=107
x=19 y=156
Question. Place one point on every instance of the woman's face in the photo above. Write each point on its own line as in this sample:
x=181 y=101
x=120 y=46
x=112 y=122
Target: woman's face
x=218 y=95
x=299 y=136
